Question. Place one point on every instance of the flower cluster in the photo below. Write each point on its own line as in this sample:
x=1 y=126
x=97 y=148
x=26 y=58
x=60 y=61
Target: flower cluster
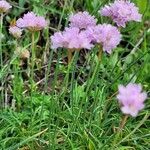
x=83 y=33
x=15 y=31
x=82 y=20
x=32 y=22
x=121 y=12
x=4 y=6
x=131 y=99
x=71 y=38
x=106 y=35
x=75 y=36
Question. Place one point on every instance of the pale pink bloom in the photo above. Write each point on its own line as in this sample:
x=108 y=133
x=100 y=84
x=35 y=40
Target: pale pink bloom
x=15 y=31
x=57 y=40
x=82 y=20
x=4 y=6
x=32 y=22
x=121 y=12
x=131 y=98
x=71 y=38
x=106 y=35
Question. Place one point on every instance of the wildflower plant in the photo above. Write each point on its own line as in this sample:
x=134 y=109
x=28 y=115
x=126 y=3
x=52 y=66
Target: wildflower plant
x=78 y=106
x=33 y=23
x=85 y=33
x=86 y=26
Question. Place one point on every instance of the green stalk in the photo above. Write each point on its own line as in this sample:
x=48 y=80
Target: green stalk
x=16 y=79
x=123 y=122
x=1 y=30
x=69 y=56
x=96 y=69
x=100 y=53
x=121 y=126
x=1 y=57
x=32 y=60
x=32 y=75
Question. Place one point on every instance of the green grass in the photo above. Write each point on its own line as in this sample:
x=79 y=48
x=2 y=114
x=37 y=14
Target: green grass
x=75 y=107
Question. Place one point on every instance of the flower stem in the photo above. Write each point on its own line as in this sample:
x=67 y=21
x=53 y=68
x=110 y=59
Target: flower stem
x=100 y=53
x=69 y=56
x=1 y=59
x=1 y=30
x=119 y=28
x=32 y=60
x=123 y=122
x=15 y=80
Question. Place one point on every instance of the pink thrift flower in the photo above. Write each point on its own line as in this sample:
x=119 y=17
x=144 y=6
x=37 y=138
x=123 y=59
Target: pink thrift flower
x=131 y=99
x=58 y=40
x=15 y=31
x=4 y=6
x=106 y=35
x=121 y=12
x=71 y=38
x=32 y=22
x=82 y=20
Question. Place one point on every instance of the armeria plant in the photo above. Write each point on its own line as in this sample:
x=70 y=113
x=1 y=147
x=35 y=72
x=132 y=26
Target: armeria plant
x=84 y=32
x=33 y=23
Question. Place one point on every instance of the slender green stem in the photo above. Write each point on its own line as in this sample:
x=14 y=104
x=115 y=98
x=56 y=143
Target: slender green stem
x=123 y=122
x=16 y=77
x=1 y=57
x=1 y=30
x=93 y=77
x=100 y=53
x=96 y=68
x=69 y=56
x=32 y=74
x=32 y=60
x=121 y=126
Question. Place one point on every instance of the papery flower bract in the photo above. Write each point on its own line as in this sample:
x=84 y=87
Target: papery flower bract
x=22 y=53
x=71 y=38
x=4 y=6
x=82 y=20
x=121 y=12
x=131 y=98
x=32 y=22
x=15 y=31
x=106 y=35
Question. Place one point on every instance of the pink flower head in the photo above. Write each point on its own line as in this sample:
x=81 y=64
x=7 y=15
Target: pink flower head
x=4 y=6
x=106 y=35
x=58 y=40
x=71 y=38
x=82 y=20
x=121 y=12
x=131 y=98
x=32 y=22
x=15 y=31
